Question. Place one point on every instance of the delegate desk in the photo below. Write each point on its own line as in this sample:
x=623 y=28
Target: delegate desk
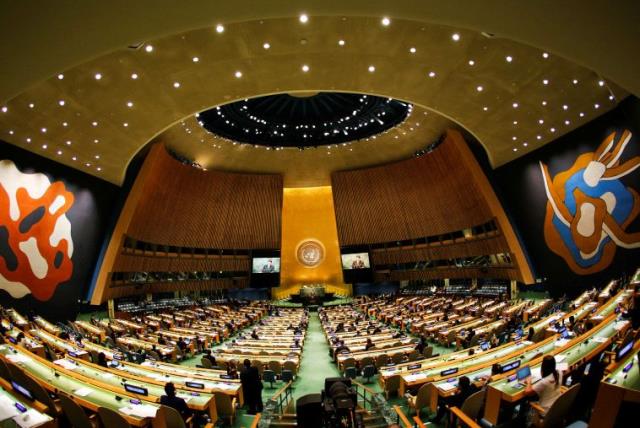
x=609 y=307
x=374 y=353
x=33 y=415
x=17 y=319
x=165 y=351
x=43 y=323
x=621 y=387
x=475 y=366
x=89 y=393
x=60 y=344
x=91 y=330
x=577 y=315
x=530 y=313
x=155 y=387
x=569 y=355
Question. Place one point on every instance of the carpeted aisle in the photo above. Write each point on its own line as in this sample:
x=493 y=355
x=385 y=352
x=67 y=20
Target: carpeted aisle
x=316 y=364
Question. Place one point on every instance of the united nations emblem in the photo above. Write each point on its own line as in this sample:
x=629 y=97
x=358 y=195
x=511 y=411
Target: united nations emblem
x=589 y=208
x=310 y=253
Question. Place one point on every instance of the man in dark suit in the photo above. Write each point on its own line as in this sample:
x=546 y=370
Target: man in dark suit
x=176 y=402
x=252 y=387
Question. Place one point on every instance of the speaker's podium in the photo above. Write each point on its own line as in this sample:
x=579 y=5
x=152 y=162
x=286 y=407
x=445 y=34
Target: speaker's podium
x=312 y=294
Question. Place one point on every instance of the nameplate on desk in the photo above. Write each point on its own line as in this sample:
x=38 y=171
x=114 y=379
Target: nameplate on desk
x=414 y=366
x=226 y=376
x=197 y=385
x=511 y=366
x=449 y=371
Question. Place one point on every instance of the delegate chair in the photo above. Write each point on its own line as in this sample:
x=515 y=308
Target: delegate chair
x=76 y=414
x=351 y=372
x=226 y=407
x=392 y=384
x=349 y=362
x=286 y=376
x=275 y=367
x=557 y=414
x=368 y=372
x=206 y=363
x=111 y=418
x=428 y=352
x=367 y=361
x=421 y=400
x=4 y=371
x=291 y=366
x=258 y=364
x=269 y=376
x=473 y=405
x=382 y=360
x=168 y=417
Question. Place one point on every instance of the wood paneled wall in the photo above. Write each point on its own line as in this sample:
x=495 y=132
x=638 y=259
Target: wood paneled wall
x=438 y=273
x=172 y=204
x=189 y=207
x=419 y=197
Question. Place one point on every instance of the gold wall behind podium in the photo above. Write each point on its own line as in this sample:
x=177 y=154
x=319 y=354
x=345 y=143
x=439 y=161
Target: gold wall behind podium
x=308 y=215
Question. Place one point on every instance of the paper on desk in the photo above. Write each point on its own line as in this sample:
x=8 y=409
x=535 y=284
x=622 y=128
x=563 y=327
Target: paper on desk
x=562 y=367
x=140 y=410
x=600 y=339
x=65 y=364
x=18 y=358
x=83 y=392
x=107 y=375
x=31 y=418
x=560 y=358
x=7 y=409
x=561 y=342
x=447 y=386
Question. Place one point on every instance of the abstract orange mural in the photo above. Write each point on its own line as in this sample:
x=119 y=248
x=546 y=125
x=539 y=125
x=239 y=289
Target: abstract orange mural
x=589 y=208
x=35 y=235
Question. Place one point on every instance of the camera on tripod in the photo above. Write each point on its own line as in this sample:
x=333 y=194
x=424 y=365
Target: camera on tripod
x=336 y=405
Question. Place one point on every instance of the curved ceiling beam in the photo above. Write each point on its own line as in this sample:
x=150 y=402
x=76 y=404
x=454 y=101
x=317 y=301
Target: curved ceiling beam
x=40 y=39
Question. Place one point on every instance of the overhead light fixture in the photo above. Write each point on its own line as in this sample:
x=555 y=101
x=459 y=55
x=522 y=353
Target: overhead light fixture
x=195 y=59
x=372 y=69
x=565 y=107
x=545 y=55
x=575 y=81
x=148 y=48
x=479 y=88
x=129 y=104
x=266 y=45
x=238 y=74
x=219 y=29
x=61 y=103
x=515 y=105
x=455 y=37
x=600 y=82
x=134 y=76
x=341 y=42
x=176 y=84
x=545 y=81
x=5 y=109
x=305 y=68
x=508 y=58
x=60 y=76
x=304 y=18
x=471 y=62
x=432 y=74
x=385 y=21
x=412 y=50
x=98 y=76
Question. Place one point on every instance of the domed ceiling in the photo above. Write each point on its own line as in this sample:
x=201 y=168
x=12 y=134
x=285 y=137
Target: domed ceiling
x=511 y=97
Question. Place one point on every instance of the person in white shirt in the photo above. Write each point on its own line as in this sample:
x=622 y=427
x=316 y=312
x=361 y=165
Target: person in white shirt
x=548 y=387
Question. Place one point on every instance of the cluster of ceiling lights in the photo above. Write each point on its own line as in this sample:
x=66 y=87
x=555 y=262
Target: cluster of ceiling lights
x=305 y=68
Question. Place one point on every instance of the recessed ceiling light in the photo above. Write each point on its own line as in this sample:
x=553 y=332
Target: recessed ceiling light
x=371 y=69
x=412 y=50
x=575 y=81
x=134 y=76
x=514 y=138
x=5 y=109
x=97 y=156
x=305 y=68
x=195 y=59
x=515 y=105
x=60 y=76
x=508 y=58
x=525 y=144
x=566 y=122
x=65 y=124
x=219 y=28
x=28 y=140
x=600 y=82
x=11 y=132
x=565 y=107
x=385 y=21
x=479 y=88
x=545 y=55
x=44 y=146
x=540 y=121
x=538 y=137
x=341 y=42
x=31 y=105
x=552 y=129
x=545 y=81
x=43 y=130
x=544 y=103
x=176 y=84
x=596 y=106
x=96 y=141
x=87 y=164
x=304 y=18
x=238 y=74
x=432 y=74
x=125 y=124
x=472 y=62
x=515 y=149
x=74 y=158
x=99 y=169
x=129 y=104
x=515 y=122
x=581 y=114
x=61 y=103
x=68 y=142
x=455 y=37
x=148 y=48
x=59 y=152
x=611 y=97
x=266 y=45
x=485 y=108
x=94 y=123
x=98 y=76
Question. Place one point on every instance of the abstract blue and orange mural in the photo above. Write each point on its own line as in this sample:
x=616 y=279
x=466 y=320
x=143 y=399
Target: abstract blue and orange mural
x=589 y=208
